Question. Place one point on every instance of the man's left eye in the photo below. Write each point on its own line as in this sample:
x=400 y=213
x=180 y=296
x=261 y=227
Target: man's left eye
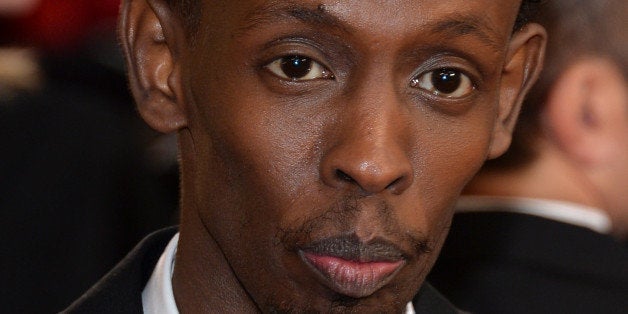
x=298 y=68
x=445 y=82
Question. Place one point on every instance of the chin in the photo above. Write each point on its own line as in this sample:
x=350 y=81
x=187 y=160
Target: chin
x=340 y=305
x=392 y=298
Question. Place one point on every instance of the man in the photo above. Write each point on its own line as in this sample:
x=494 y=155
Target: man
x=540 y=229
x=322 y=146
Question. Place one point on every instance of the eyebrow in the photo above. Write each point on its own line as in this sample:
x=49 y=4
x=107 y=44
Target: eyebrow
x=456 y=25
x=460 y=25
x=274 y=12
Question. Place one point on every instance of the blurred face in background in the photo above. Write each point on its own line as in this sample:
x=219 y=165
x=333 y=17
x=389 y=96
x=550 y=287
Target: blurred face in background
x=17 y=7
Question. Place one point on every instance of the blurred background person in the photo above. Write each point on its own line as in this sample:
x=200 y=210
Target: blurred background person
x=543 y=229
x=82 y=179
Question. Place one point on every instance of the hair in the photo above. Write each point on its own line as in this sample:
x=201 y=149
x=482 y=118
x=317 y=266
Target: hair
x=527 y=13
x=190 y=12
x=576 y=29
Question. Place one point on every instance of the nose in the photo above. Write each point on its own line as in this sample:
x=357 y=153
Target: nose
x=370 y=152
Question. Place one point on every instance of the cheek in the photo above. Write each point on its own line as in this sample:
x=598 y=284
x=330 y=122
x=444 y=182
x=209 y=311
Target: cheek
x=449 y=153
x=459 y=152
x=255 y=157
x=461 y=144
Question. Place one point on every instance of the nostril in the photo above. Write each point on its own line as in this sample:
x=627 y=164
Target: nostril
x=399 y=185
x=392 y=184
x=344 y=176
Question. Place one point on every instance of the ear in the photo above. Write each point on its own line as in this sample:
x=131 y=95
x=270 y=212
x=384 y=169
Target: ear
x=523 y=63
x=151 y=36
x=586 y=113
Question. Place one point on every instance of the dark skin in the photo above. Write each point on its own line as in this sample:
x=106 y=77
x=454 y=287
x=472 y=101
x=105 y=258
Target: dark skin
x=323 y=143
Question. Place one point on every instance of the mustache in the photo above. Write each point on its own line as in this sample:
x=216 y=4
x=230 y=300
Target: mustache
x=395 y=243
x=349 y=247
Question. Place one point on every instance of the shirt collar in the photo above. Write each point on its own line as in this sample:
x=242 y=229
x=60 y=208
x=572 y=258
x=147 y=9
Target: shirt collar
x=157 y=296
x=565 y=212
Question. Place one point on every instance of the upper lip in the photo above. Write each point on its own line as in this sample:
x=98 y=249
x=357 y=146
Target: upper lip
x=352 y=249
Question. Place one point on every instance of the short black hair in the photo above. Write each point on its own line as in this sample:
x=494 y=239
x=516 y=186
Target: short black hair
x=527 y=13
x=190 y=12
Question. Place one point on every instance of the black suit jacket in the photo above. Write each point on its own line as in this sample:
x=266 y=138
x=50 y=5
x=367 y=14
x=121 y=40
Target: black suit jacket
x=120 y=291
x=499 y=262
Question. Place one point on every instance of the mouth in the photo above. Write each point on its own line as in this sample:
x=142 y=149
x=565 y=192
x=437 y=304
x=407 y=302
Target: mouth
x=352 y=268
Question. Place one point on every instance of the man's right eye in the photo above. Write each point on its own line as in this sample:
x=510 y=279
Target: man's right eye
x=298 y=68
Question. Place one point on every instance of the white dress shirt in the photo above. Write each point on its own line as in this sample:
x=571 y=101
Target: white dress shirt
x=157 y=297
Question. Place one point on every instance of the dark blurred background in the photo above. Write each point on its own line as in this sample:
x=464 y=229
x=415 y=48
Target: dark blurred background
x=82 y=178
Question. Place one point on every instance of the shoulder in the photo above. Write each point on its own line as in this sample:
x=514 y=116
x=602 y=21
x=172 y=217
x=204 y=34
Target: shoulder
x=120 y=290
x=496 y=261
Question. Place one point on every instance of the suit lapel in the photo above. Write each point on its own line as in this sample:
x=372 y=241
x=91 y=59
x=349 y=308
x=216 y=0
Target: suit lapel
x=120 y=291
x=428 y=300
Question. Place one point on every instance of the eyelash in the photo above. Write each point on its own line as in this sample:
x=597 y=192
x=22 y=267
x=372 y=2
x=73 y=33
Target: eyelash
x=448 y=75
x=310 y=68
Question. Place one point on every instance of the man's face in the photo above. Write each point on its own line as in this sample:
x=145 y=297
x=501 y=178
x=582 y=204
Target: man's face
x=328 y=140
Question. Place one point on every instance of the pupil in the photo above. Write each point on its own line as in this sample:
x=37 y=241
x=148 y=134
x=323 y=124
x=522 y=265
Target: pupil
x=446 y=81
x=296 y=66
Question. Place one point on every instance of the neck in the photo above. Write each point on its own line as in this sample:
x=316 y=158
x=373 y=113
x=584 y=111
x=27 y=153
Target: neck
x=203 y=281
x=551 y=176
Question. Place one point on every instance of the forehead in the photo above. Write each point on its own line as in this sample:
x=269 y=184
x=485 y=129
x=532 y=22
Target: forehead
x=485 y=18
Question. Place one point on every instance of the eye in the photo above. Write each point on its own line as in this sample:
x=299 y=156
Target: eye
x=445 y=82
x=298 y=68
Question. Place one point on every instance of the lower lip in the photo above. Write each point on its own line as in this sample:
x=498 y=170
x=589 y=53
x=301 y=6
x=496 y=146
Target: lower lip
x=351 y=278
